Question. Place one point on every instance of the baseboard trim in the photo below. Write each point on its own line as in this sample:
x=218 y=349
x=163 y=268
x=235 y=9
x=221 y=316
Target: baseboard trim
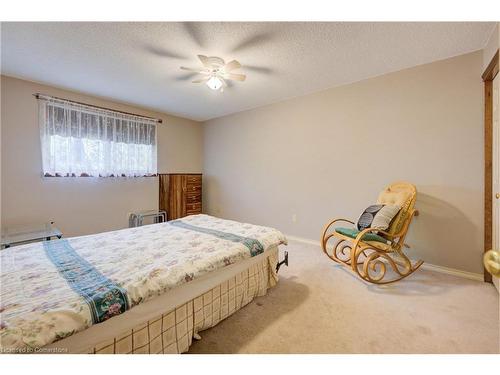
x=453 y=272
x=425 y=266
x=302 y=240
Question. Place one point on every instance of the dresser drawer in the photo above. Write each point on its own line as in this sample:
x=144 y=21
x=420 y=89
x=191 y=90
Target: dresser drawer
x=193 y=197
x=193 y=207
x=193 y=189
x=193 y=180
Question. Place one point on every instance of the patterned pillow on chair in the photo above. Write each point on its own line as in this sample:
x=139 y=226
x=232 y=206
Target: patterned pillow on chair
x=378 y=216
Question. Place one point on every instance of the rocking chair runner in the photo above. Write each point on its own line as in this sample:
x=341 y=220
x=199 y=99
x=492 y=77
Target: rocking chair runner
x=370 y=251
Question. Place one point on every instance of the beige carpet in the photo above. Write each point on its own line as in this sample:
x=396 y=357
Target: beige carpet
x=319 y=307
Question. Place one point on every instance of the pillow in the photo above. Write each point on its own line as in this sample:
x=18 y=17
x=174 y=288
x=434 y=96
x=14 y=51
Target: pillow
x=378 y=216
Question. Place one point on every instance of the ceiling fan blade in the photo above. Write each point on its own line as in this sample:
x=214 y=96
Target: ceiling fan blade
x=191 y=69
x=259 y=69
x=204 y=60
x=231 y=66
x=186 y=76
x=236 y=77
x=163 y=52
x=201 y=80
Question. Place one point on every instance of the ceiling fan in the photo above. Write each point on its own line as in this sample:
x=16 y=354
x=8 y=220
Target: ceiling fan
x=216 y=72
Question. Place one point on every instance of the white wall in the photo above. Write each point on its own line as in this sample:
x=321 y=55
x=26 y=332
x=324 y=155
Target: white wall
x=79 y=205
x=328 y=155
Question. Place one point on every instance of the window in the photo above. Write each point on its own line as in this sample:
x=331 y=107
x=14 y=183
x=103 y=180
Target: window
x=80 y=140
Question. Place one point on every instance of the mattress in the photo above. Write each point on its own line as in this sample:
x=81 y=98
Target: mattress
x=55 y=289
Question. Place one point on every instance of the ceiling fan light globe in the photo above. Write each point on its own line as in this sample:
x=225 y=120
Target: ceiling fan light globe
x=214 y=83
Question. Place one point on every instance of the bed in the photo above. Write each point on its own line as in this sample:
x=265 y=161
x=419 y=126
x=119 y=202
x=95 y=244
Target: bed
x=149 y=289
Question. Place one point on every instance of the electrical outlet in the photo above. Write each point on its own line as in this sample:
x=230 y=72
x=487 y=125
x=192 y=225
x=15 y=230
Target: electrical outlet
x=294 y=218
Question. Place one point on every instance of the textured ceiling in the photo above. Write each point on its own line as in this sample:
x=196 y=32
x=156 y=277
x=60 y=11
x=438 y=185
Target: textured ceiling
x=138 y=63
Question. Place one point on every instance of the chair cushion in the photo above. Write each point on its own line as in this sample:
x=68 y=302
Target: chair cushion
x=377 y=216
x=402 y=194
x=353 y=232
x=398 y=198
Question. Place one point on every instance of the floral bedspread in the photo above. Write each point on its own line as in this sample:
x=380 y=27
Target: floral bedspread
x=50 y=290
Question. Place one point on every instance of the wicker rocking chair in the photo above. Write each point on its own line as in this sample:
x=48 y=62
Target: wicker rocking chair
x=371 y=251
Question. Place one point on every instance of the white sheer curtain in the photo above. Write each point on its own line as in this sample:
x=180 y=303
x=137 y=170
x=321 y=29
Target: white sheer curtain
x=79 y=140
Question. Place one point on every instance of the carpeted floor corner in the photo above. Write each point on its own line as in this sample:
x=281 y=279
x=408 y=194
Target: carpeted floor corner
x=320 y=307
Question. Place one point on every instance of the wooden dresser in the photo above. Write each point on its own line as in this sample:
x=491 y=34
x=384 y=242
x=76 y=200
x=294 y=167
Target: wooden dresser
x=180 y=194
